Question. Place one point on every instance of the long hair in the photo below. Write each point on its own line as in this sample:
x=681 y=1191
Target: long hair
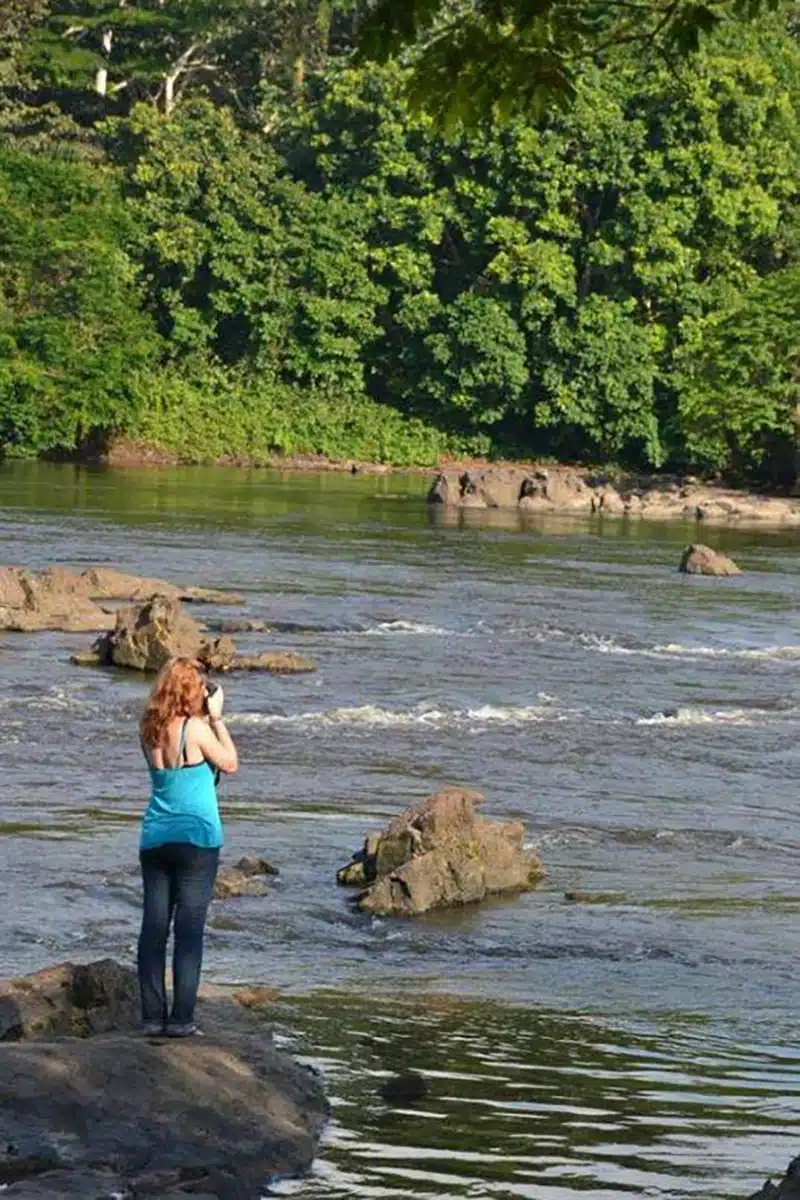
x=179 y=691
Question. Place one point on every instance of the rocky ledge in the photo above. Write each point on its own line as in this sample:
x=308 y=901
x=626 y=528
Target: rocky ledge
x=109 y=1113
x=439 y=854
x=559 y=489
x=60 y=599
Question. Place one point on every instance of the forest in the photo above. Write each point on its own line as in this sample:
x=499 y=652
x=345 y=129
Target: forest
x=230 y=228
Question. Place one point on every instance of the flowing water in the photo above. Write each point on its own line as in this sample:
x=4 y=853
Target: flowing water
x=642 y=724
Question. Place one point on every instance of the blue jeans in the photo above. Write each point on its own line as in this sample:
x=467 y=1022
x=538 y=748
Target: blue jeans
x=178 y=881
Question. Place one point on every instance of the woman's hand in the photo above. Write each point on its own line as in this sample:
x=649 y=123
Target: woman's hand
x=215 y=702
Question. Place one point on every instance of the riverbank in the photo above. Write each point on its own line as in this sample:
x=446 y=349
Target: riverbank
x=530 y=486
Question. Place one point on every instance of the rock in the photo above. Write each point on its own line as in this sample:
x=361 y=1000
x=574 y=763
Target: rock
x=146 y=636
x=95 y=656
x=439 y=492
x=12 y=593
x=108 y=584
x=247 y=878
x=563 y=489
x=698 y=559
x=609 y=503
x=121 y=1114
x=405 y=1088
x=787 y=1189
x=218 y=654
x=535 y=503
x=277 y=662
x=31 y=603
x=69 y=999
x=60 y=599
x=257 y=996
x=439 y=854
x=580 y=897
x=240 y=625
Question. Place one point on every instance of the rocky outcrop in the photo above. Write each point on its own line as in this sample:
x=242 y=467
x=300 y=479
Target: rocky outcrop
x=108 y=584
x=563 y=489
x=247 y=878
x=787 y=1189
x=60 y=599
x=116 y=1114
x=698 y=559
x=30 y=603
x=146 y=636
x=439 y=854
x=72 y=1000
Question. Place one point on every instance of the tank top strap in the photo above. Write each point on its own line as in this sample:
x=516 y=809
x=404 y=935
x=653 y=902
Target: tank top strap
x=181 y=760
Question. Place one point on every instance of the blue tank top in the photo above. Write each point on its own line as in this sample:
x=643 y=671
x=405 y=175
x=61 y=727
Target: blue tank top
x=183 y=806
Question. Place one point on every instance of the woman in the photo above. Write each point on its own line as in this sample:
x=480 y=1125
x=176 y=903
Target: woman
x=185 y=743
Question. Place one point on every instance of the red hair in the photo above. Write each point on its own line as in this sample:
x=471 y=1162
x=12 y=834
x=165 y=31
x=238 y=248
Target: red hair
x=179 y=691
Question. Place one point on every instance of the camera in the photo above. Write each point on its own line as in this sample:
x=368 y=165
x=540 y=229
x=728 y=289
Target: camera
x=211 y=688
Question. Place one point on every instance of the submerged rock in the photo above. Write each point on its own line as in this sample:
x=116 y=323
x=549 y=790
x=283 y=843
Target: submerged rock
x=698 y=559
x=277 y=662
x=119 y=1114
x=146 y=636
x=404 y=1088
x=440 y=854
x=247 y=878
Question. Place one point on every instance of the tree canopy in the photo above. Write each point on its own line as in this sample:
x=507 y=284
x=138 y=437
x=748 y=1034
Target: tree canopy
x=473 y=58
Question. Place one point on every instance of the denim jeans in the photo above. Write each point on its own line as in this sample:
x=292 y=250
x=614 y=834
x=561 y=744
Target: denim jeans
x=178 y=882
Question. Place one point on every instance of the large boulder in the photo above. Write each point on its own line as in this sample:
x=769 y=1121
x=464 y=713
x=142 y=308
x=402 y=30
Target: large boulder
x=121 y=1115
x=440 y=854
x=698 y=559
x=787 y=1189
x=146 y=636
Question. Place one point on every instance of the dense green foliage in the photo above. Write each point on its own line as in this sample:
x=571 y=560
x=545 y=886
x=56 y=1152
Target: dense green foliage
x=471 y=58
x=276 y=254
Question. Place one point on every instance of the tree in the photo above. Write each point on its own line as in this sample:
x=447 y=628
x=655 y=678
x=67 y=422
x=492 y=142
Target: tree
x=739 y=375
x=244 y=265
x=96 y=57
x=476 y=57
x=72 y=333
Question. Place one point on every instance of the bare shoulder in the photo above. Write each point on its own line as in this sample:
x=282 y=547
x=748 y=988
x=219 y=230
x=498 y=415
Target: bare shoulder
x=196 y=728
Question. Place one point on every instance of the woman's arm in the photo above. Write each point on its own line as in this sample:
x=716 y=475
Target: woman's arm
x=215 y=743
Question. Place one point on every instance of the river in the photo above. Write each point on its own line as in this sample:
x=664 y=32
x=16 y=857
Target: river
x=642 y=724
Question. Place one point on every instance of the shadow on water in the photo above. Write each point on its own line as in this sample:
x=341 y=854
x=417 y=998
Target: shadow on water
x=525 y=1103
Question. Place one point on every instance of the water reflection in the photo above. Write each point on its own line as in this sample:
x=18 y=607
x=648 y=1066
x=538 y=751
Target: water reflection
x=525 y=1103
